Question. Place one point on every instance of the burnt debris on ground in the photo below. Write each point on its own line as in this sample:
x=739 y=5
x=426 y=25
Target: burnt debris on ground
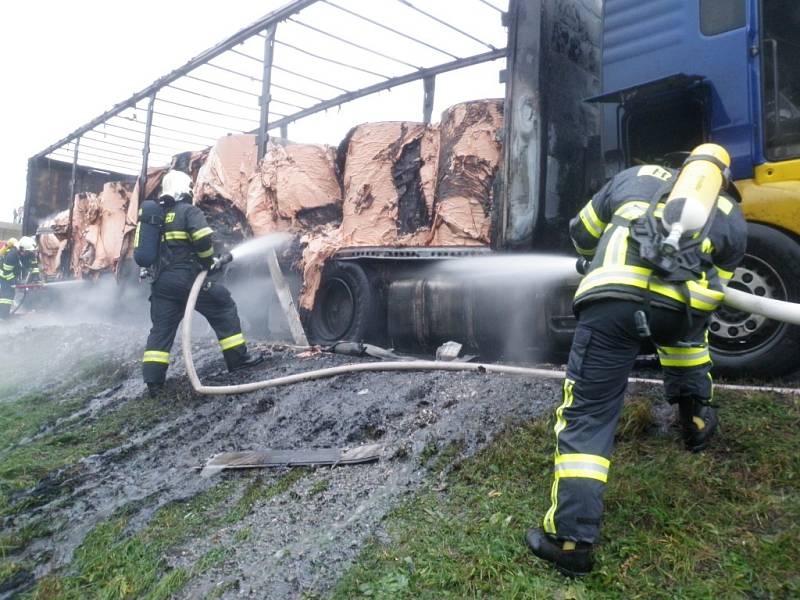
x=121 y=457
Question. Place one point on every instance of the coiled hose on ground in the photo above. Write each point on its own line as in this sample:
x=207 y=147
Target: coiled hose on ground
x=773 y=309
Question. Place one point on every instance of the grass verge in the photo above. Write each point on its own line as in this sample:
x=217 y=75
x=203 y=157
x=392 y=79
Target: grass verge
x=722 y=524
x=114 y=563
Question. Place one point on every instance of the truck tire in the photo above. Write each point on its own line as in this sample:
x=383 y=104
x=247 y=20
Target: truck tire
x=346 y=306
x=746 y=344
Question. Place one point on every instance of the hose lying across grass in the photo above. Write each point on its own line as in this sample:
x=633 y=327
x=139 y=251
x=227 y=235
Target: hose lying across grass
x=740 y=300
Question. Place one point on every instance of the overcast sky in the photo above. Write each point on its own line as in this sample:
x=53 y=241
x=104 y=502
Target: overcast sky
x=65 y=63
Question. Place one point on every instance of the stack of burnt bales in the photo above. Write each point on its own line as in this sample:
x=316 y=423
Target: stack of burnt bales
x=296 y=189
x=469 y=156
x=408 y=184
x=389 y=179
x=221 y=185
x=99 y=223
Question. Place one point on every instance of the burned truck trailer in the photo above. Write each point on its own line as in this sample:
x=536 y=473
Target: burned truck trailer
x=550 y=148
x=361 y=288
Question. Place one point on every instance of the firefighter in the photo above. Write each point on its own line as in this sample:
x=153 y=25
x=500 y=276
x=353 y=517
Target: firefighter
x=641 y=284
x=185 y=249
x=7 y=245
x=19 y=261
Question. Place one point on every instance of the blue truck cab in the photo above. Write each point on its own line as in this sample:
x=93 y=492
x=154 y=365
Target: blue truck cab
x=676 y=73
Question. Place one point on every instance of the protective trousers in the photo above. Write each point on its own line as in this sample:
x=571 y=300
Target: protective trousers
x=167 y=305
x=603 y=353
x=6 y=298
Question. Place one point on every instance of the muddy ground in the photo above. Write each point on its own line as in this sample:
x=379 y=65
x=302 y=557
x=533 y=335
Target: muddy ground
x=298 y=541
x=294 y=543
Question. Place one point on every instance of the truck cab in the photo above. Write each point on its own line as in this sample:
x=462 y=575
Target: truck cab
x=676 y=73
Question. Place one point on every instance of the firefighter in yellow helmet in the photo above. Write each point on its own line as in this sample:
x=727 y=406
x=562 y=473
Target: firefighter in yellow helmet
x=19 y=260
x=658 y=247
x=7 y=245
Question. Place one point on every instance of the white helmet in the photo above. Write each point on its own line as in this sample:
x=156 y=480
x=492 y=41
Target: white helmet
x=26 y=244
x=177 y=185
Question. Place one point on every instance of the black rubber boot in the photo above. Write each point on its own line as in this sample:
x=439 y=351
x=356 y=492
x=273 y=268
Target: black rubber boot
x=249 y=360
x=154 y=390
x=698 y=423
x=575 y=562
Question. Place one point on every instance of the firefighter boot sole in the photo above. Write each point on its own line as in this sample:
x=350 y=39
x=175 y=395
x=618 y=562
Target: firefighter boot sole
x=572 y=563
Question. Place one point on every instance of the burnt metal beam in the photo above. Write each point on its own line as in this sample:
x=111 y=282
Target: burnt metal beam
x=240 y=36
x=394 y=82
x=206 y=110
x=490 y=5
x=129 y=139
x=108 y=163
x=146 y=149
x=353 y=44
x=429 y=85
x=256 y=79
x=266 y=78
x=181 y=131
x=134 y=155
x=121 y=161
x=204 y=123
x=285 y=70
x=445 y=23
x=214 y=98
x=26 y=208
x=153 y=135
x=221 y=85
x=331 y=60
x=67 y=253
x=387 y=28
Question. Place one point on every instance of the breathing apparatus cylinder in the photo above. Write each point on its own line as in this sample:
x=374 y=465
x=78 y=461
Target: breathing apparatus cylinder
x=148 y=233
x=694 y=196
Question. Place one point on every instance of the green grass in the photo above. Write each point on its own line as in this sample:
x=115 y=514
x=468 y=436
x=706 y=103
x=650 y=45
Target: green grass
x=25 y=466
x=114 y=563
x=722 y=524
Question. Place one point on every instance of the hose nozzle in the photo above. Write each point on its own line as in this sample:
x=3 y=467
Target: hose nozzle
x=220 y=260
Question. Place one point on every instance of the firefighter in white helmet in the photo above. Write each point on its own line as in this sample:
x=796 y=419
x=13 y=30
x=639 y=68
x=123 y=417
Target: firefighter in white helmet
x=183 y=247
x=659 y=245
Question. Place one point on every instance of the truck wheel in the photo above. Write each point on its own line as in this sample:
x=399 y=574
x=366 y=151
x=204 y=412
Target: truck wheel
x=749 y=344
x=346 y=305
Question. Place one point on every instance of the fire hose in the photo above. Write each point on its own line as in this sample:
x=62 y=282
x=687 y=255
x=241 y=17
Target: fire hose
x=768 y=307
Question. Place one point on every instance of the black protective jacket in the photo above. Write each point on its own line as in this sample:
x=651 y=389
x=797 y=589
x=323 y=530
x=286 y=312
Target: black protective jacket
x=601 y=233
x=14 y=267
x=186 y=242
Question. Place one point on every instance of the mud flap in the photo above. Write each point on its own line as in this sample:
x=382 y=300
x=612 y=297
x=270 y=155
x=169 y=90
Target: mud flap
x=261 y=459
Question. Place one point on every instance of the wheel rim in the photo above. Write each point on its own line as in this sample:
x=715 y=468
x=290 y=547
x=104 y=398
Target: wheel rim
x=337 y=309
x=734 y=332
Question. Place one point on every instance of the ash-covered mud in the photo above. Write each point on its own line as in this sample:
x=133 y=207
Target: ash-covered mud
x=301 y=540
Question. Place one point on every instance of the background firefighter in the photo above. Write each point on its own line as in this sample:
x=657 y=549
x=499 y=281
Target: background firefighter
x=184 y=249
x=17 y=264
x=623 y=300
